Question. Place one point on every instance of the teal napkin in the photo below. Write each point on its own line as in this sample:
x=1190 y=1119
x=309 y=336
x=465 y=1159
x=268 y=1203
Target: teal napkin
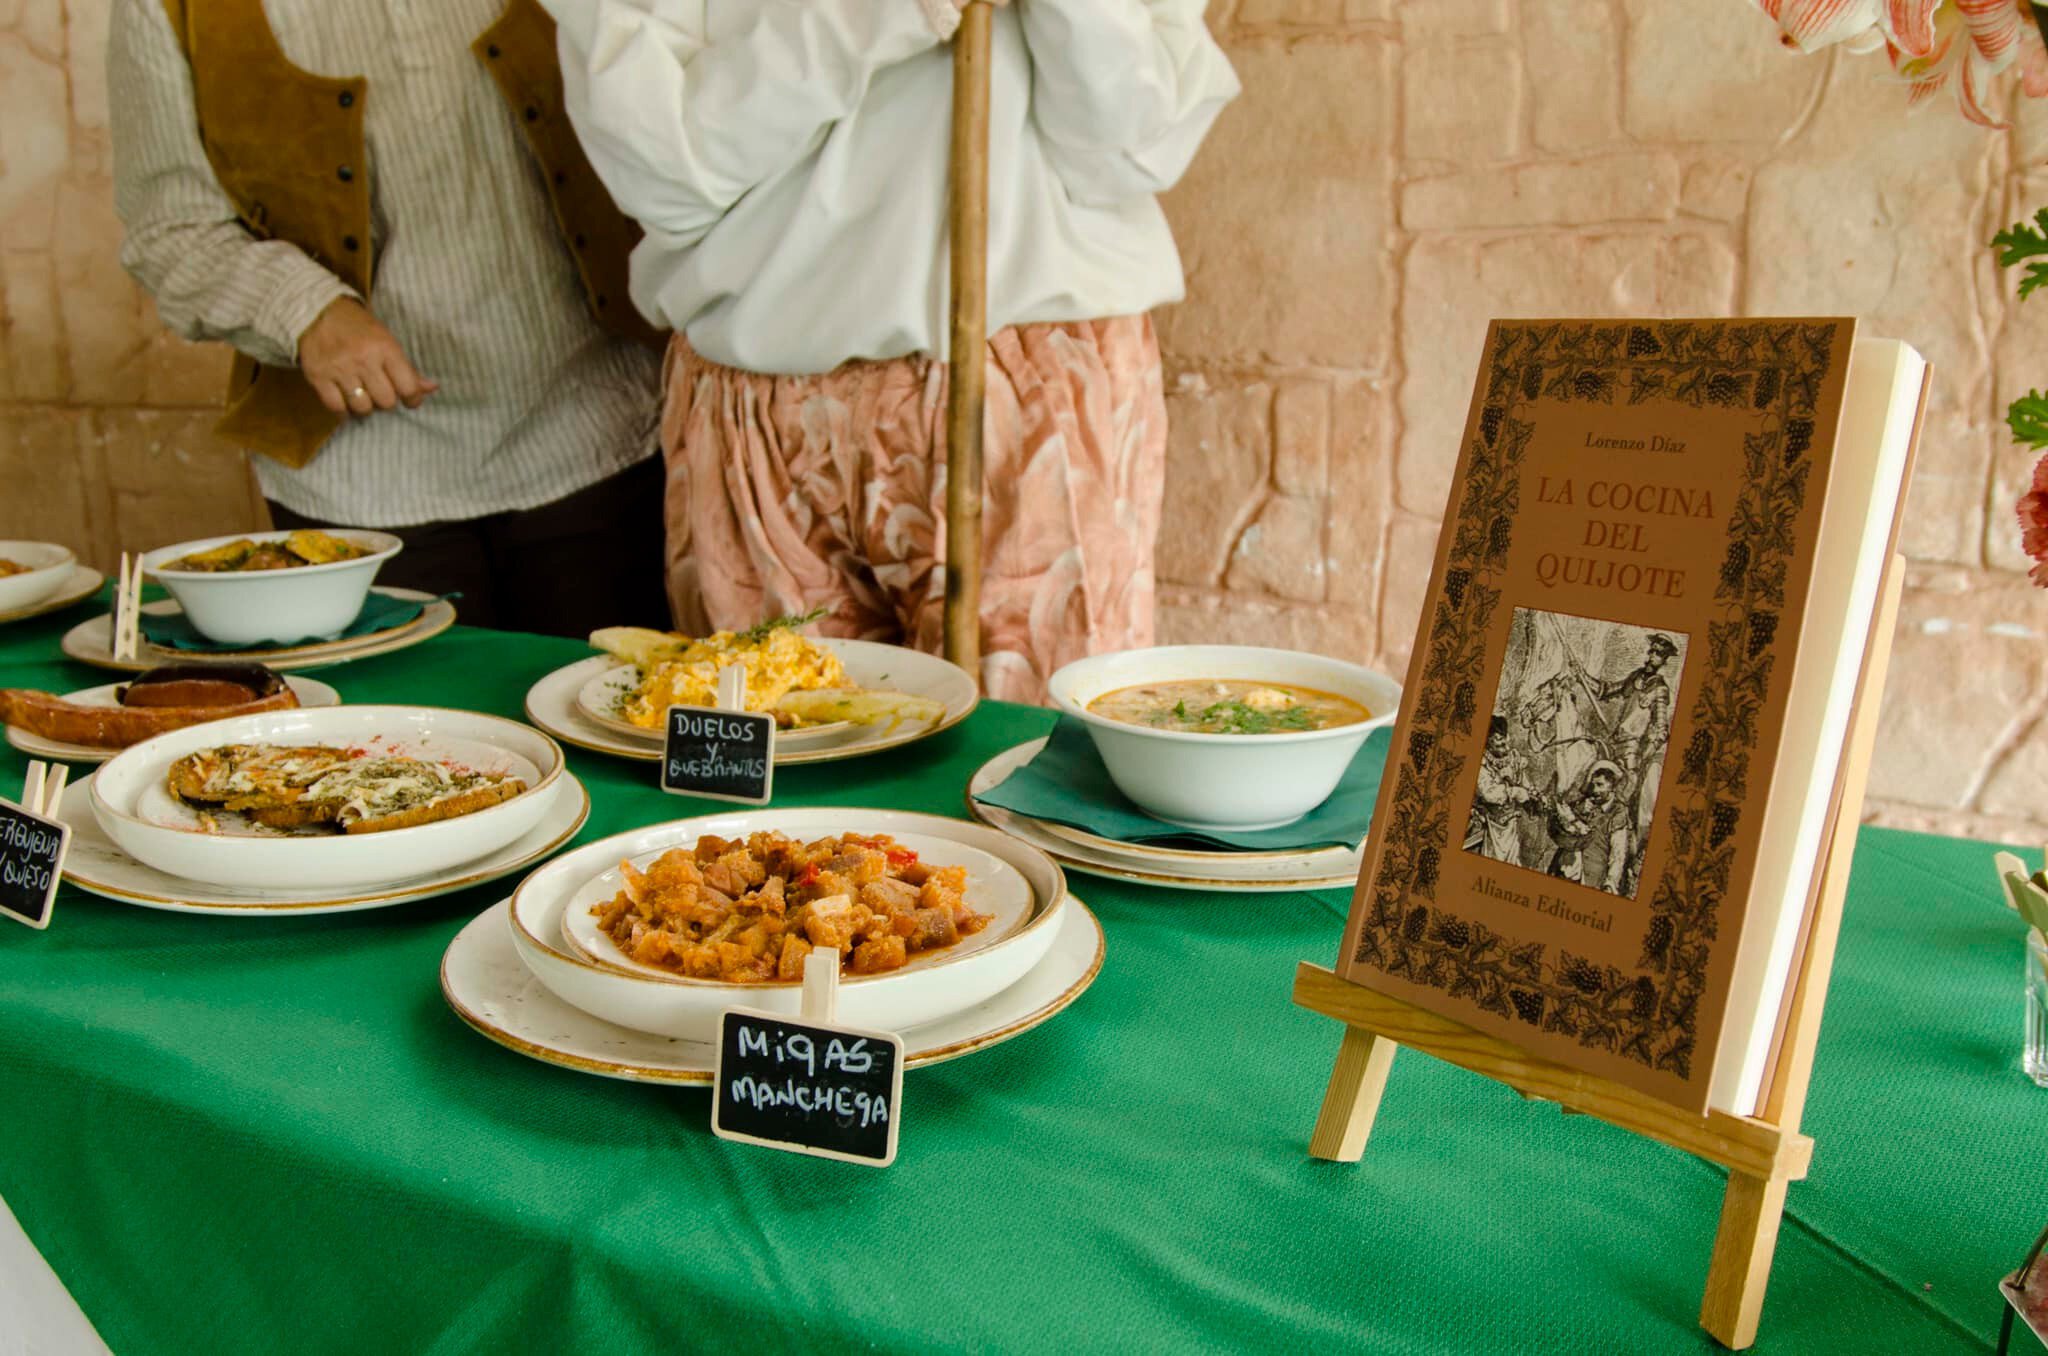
x=381 y=612
x=1067 y=784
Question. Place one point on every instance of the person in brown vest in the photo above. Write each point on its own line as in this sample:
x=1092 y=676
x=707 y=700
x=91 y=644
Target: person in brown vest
x=386 y=196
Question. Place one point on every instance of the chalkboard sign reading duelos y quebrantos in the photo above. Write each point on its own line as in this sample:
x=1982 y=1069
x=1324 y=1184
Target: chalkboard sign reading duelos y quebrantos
x=808 y=1088
x=31 y=858
x=726 y=755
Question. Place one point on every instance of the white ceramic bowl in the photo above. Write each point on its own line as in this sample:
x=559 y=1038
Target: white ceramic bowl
x=130 y=804
x=49 y=567
x=926 y=990
x=286 y=606
x=1209 y=781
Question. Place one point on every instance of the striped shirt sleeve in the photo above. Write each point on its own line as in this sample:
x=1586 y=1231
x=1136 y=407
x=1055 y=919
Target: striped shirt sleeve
x=211 y=278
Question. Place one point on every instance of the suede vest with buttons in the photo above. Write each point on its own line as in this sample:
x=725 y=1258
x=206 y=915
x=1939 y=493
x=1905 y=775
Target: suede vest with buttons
x=287 y=147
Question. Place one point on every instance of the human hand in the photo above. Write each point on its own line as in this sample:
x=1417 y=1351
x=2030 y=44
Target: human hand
x=356 y=366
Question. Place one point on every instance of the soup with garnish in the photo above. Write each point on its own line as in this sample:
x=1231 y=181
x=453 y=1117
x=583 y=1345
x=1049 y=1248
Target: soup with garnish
x=1227 y=706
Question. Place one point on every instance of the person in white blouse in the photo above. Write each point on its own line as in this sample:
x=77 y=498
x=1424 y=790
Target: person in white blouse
x=788 y=161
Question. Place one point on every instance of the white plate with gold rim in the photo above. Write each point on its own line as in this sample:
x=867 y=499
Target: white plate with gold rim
x=493 y=992
x=312 y=695
x=97 y=865
x=82 y=583
x=926 y=990
x=1318 y=869
x=599 y=699
x=92 y=641
x=552 y=704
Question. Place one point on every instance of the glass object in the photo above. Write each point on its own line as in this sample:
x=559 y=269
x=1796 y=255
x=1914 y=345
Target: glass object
x=2037 y=1008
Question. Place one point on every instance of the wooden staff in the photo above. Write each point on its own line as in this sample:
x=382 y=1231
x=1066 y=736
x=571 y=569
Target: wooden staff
x=969 y=233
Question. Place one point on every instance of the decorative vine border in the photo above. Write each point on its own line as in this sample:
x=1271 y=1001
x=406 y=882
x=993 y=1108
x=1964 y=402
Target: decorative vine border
x=1649 y=1014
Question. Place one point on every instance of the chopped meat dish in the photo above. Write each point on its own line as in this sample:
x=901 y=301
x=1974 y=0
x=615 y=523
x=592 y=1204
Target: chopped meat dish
x=749 y=912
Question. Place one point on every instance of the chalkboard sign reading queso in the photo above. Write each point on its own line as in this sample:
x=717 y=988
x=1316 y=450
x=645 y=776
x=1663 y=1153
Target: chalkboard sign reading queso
x=31 y=862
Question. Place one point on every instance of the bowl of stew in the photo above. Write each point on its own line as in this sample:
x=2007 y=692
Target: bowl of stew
x=272 y=588
x=1225 y=736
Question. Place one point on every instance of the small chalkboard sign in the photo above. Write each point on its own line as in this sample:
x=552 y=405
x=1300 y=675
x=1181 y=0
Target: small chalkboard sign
x=807 y=1085
x=31 y=863
x=727 y=753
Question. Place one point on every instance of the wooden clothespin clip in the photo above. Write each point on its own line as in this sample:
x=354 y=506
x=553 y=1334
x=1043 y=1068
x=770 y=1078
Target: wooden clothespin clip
x=33 y=841
x=821 y=986
x=42 y=791
x=2012 y=878
x=127 y=619
x=732 y=688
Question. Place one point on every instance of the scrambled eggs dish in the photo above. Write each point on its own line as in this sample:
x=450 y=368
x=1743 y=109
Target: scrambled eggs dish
x=678 y=671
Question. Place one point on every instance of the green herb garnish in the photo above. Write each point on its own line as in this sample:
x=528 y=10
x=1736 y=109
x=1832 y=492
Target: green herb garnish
x=787 y=622
x=1234 y=717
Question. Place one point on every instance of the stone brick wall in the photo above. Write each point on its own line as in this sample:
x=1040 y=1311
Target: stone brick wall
x=1398 y=172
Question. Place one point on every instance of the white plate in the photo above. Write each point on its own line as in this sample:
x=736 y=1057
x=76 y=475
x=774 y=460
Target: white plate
x=688 y=1009
x=96 y=865
x=551 y=704
x=492 y=991
x=312 y=695
x=597 y=699
x=1323 y=869
x=994 y=887
x=82 y=583
x=92 y=642
x=48 y=570
x=123 y=793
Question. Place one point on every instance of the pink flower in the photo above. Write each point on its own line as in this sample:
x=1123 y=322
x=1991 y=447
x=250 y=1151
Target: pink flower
x=1860 y=25
x=1928 y=41
x=2033 y=514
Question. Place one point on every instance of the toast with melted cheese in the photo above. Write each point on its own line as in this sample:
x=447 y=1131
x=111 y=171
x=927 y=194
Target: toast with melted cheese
x=314 y=787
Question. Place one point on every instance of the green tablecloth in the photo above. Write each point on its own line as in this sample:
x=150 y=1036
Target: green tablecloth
x=272 y=1135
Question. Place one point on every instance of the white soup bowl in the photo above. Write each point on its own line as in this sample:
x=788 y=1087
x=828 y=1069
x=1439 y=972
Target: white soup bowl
x=256 y=607
x=1221 y=781
x=928 y=989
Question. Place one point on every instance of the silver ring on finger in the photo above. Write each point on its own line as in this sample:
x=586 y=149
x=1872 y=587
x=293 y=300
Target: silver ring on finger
x=359 y=393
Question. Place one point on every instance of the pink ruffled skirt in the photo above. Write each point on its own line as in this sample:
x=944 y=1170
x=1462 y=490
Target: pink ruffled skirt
x=787 y=494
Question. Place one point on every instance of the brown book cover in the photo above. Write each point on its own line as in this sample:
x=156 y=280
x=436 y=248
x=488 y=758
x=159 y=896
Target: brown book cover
x=1578 y=781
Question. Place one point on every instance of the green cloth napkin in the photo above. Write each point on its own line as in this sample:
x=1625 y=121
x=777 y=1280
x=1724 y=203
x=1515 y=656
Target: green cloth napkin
x=1067 y=784
x=381 y=612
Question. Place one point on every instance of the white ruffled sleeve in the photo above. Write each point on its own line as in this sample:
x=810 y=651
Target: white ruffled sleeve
x=1123 y=91
x=680 y=124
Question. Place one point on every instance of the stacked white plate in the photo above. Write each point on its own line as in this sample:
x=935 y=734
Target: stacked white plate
x=537 y=975
x=1229 y=871
x=133 y=841
x=92 y=640
x=575 y=704
x=50 y=578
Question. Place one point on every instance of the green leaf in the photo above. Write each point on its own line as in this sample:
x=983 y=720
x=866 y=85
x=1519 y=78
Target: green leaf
x=2028 y=419
x=2023 y=242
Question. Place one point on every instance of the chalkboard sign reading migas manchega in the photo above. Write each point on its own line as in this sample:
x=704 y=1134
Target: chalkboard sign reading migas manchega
x=807 y=1088
x=31 y=858
x=725 y=755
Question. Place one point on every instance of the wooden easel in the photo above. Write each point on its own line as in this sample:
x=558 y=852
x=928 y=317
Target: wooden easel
x=968 y=351
x=1764 y=1153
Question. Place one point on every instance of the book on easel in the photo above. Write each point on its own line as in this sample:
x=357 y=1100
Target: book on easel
x=1613 y=783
